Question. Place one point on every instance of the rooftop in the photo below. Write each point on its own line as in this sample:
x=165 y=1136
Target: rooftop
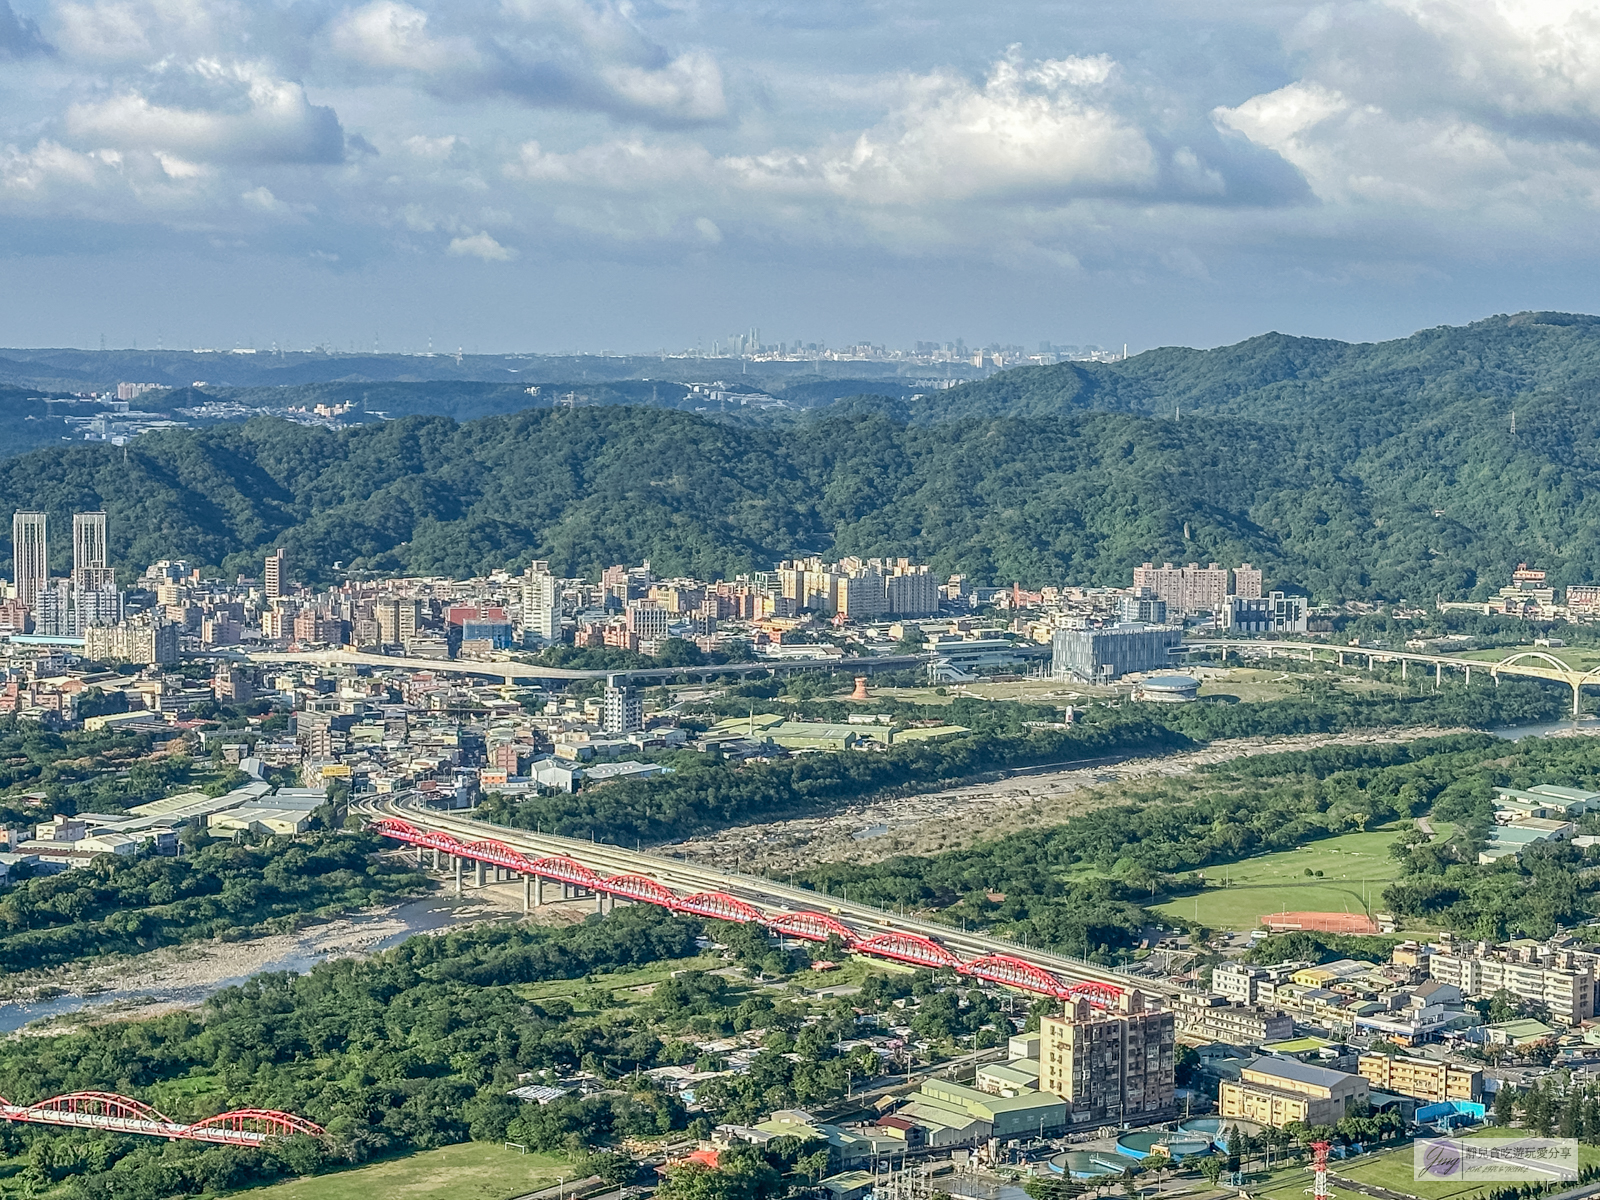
x=1293 y=1068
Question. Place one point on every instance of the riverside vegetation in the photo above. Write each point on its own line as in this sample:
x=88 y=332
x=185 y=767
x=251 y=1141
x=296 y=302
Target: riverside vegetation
x=417 y=1047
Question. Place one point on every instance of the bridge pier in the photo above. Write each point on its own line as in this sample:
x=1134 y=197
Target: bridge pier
x=458 y=874
x=1341 y=658
x=527 y=894
x=1438 y=675
x=478 y=873
x=600 y=903
x=1577 y=689
x=1403 y=664
x=538 y=891
x=1469 y=676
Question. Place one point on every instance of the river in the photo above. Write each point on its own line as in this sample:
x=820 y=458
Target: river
x=1582 y=727
x=425 y=915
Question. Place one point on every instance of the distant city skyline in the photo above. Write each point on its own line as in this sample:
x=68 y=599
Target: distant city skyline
x=597 y=175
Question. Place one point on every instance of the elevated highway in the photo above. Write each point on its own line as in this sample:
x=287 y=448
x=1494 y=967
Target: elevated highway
x=636 y=875
x=511 y=670
x=1530 y=664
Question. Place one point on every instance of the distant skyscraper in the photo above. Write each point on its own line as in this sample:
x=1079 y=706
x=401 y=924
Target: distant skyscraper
x=91 y=571
x=276 y=573
x=30 y=556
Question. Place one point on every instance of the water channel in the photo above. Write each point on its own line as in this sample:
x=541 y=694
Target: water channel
x=425 y=915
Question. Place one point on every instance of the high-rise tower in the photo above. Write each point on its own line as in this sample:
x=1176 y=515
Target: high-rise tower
x=91 y=571
x=30 y=556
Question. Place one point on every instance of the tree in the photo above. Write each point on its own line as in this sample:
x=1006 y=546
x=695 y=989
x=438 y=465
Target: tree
x=1211 y=1167
x=1505 y=1097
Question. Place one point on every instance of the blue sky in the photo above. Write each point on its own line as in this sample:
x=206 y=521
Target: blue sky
x=553 y=175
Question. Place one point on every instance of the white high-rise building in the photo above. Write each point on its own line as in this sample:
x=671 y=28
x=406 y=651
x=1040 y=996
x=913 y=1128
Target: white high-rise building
x=91 y=570
x=30 y=555
x=541 y=603
x=622 y=710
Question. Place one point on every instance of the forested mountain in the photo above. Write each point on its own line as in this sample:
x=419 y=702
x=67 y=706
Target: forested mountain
x=1083 y=497
x=1348 y=471
x=1348 y=389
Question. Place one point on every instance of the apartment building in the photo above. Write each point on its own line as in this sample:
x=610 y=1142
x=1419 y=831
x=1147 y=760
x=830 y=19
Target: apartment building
x=1422 y=1078
x=1215 y=1019
x=1108 y=1065
x=1277 y=1091
x=1557 y=978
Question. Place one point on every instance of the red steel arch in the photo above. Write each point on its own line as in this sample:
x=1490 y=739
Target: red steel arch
x=640 y=887
x=1105 y=994
x=720 y=906
x=813 y=926
x=266 y=1122
x=908 y=948
x=1014 y=972
x=102 y=1104
x=497 y=854
x=122 y=1114
x=564 y=870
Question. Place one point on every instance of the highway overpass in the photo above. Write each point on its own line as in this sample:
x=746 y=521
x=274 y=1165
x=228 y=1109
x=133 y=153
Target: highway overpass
x=511 y=670
x=1529 y=664
x=647 y=876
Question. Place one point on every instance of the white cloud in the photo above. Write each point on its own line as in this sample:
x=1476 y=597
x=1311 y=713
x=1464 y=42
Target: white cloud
x=481 y=245
x=582 y=55
x=231 y=111
x=389 y=34
x=1043 y=129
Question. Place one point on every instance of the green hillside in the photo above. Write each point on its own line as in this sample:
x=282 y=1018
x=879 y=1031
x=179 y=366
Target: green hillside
x=1083 y=497
x=1378 y=471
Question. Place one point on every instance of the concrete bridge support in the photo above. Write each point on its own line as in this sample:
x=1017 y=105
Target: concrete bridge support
x=458 y=874
x=1438 y=675
x=527 y=894
x=478 y=874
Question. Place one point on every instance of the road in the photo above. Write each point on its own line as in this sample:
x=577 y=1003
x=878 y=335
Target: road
x=509 y=669
x=1532 y=664
x=681 y=874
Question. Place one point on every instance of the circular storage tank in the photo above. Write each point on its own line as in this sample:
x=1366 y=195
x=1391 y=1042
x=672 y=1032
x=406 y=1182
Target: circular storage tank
x=1178 y=1145
x=1210 y=1128
x=1085 y=1164
x=1169 y=689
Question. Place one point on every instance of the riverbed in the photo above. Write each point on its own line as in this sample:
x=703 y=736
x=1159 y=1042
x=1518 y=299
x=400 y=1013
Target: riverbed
x=184 y=976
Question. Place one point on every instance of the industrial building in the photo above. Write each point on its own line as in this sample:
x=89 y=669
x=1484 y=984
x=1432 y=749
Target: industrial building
x=1277 y=1091
x=1276 y=613
x=1101 y=655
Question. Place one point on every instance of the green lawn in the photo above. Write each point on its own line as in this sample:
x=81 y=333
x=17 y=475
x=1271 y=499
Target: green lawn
x=470 y=1171
x=1355 y=867
x=1395 y=1170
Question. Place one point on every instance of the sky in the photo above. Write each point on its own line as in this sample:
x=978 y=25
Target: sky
x=588 y=175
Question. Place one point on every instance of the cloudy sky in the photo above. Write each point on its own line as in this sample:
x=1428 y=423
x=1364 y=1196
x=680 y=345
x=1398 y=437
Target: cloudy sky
x=603 y=174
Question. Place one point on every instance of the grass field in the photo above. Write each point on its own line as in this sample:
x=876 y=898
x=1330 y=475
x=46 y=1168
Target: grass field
x=471 y=1171
x=1355 y=867
x=1395 y=1171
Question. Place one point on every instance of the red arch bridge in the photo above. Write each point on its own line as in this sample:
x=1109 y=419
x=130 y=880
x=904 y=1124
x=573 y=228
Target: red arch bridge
x=895 y=945
x=119 y=1114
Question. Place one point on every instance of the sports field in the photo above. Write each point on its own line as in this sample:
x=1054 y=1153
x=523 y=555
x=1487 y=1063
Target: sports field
x=1355 y=868
x=1395 y=1171
x=471 y=1171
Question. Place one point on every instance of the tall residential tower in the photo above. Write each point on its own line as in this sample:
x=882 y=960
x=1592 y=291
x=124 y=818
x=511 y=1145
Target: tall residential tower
x=91 y=571
x=30 y=556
